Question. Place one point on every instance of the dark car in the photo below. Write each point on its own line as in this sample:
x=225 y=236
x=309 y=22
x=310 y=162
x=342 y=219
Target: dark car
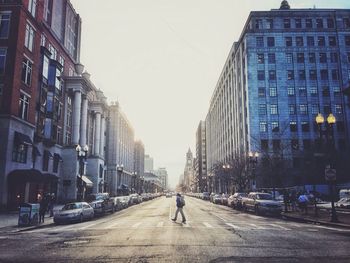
x=206 y=196
x=101 y=203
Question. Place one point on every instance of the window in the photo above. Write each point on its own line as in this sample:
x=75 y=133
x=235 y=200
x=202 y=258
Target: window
x=53 y=52
x=332 y=41
x=19 y=153
x=330 y=23
x=56 y=160
x=69 y=118
x=262 y=109
x=300 y=58
x=298 y=23
x=2 y=60
x=258 y=24
x=347 y=40
x=291 y=91
x=273 y=109
x=324 y=74
x=47 y=12
x=270 y=41
x=334 y=57
x=305 y=126
x=313 y=91
x=261 y=75
x=346 y=22
x=276 y=145
x=308 y=23
x=312 y=57
x=302 y=92
x=264 y=145
x=29 y=37
x=286 y=23
x=272 y=74
x=310 y=41
x=275 y=127
x=68 y=138
x=295 y=145
x=302 y=75
x=260 y=58
x=326 y=109
x=259 y=41
x=27 y=71
x=303 y=109
x=263 y=126
x=42 y=40
x=289 y=41
x=336 y=90
x=32 y=7
x=325 y=91
x=46 y=159
x=335 y=74
x=289 y=58
x=315 y=108
x=293 y=126
x=299 y=41
x=312 y=74
x=23 y=107
x=319 y=23
x=4 y=25
x=323 y=57
x=46 y=62
x=290 y=74
x=291 y=109
x=321 y=42
x=271 y=58
x=338 y=109
x=261 y=92
x=269 y=23
x=273 y=91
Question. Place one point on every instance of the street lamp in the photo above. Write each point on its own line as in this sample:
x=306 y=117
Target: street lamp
x=81 y=157
x=120 y=168
x=328 y=132
x=134 y=174
x=253 y=160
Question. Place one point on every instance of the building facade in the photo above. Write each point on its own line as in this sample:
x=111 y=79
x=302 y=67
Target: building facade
x=149 y=163
x=201 y=159
x=163 y=176
x=288 y=66
x=139 y=166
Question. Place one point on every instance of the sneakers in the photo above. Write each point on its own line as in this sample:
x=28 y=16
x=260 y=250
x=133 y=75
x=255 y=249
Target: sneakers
x=173 y=219
x=184 y=222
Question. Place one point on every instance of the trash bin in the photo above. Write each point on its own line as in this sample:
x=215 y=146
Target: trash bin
x=28 y=214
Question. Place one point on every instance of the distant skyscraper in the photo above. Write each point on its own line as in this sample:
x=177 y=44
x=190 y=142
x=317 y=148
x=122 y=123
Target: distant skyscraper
x=163 y=176
x=148 y=164
x=200 y=164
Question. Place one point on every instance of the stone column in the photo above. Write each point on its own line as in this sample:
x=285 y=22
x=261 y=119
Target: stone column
x=97 y=133
x=83 y=128
x=76 y=117
x=102 y=141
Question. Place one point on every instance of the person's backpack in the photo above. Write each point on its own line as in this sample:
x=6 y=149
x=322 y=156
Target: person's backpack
x=182 y=200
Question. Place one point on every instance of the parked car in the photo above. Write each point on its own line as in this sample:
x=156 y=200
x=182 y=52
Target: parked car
x=344 y=193
x=101 y=203
x=343 y=203
x=224 y=198
x=135 y=199
x=217 y=199
x=73 y=212
x=123 y=201
x=116 y=203
x=211 y=197
x=235 y=200
x=168 y=195
x=206 y=196
x=261 y=203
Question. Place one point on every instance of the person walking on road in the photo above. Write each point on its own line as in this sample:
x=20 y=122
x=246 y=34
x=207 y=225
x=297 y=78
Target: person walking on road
x=43 y=208
x=180 y=203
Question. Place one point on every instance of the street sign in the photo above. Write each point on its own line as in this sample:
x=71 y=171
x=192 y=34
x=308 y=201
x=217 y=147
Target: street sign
x=330 y=174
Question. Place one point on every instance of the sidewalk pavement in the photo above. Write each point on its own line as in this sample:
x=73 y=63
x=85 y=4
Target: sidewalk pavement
x=322 y=217
x=9 y=220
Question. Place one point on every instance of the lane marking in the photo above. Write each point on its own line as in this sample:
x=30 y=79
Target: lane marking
x=331 y=228
x=281 y=227
x=223 y=219
x=257 y=227
x=160 y=224
x=207 y=225
x=137 y=225
x=112 y=225
x=233 y=226
x=93 y=224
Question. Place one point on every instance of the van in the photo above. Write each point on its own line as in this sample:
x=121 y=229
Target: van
x=344 y=193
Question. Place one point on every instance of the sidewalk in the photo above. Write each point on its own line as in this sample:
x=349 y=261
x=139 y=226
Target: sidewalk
x=323 y=216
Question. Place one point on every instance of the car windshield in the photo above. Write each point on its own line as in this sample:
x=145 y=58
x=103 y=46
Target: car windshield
x=264 y=197
x=71 y=206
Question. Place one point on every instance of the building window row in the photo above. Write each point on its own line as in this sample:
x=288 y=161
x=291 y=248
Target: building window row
x=32 y=7
x=300 y=23
x=324 y=74
x=4 y=24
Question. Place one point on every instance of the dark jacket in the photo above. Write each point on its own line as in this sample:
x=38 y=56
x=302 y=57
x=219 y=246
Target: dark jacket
x=178 y=202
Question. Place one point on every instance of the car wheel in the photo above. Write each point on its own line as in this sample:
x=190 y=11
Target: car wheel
x=256 y=210
x=81 y=218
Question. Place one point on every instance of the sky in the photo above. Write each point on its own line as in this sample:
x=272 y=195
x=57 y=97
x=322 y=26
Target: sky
x=161 y=60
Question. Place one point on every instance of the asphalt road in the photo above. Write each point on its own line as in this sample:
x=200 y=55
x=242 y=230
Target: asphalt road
x=145 y=233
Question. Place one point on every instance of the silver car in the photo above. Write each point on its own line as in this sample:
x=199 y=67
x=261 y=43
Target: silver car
x=261 y=203
x=74 y=212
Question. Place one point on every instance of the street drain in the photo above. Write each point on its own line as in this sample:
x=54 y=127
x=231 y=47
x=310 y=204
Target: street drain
x=75 y=242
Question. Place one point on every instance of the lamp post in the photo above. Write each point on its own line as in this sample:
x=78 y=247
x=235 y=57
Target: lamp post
x=81 y=157
x=328 y=132
x=134 y=174
x=120 y=168
x=253 y=160
x=226 y=168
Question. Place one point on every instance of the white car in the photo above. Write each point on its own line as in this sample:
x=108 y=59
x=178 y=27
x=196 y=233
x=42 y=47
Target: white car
x=74 y=212
x=261 y=203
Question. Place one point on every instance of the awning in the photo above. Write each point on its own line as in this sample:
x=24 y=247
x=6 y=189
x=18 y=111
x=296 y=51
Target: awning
x=48 y=153
x=87 y=181
x=21 y=138
x=31 y=175
x=36 y=151
x=57 y=156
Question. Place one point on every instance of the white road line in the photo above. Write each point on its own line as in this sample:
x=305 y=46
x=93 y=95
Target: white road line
x=278 y=226
x=112 y=225
x=257 y=227
x=160 y=224
x=223 y=219
x=233 y=226
x=312 y=230
x=93 y=224
x=137 y=225
x=207 y=225
x=331 y=228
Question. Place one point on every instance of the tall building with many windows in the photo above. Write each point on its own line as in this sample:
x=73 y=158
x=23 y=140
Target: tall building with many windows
x=201 y=159
x=287 y=66
x=163 y=176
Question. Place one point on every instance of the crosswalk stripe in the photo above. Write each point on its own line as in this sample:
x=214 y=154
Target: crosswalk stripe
x=257 y=227
x=85 y=227
x=112 y=225
x=136 y=225
x=207 y=224
x=160 y=224
x=233 y=226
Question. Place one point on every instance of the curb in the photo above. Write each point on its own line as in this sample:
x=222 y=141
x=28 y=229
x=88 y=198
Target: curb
x=307 y=220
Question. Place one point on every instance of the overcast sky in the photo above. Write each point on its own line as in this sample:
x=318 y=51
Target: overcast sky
x=161 y=60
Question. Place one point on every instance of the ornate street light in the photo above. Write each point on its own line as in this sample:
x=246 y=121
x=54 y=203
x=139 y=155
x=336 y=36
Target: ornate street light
x=253 y=160
x=81 y=157
x=120 y=169
x=328 y=132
